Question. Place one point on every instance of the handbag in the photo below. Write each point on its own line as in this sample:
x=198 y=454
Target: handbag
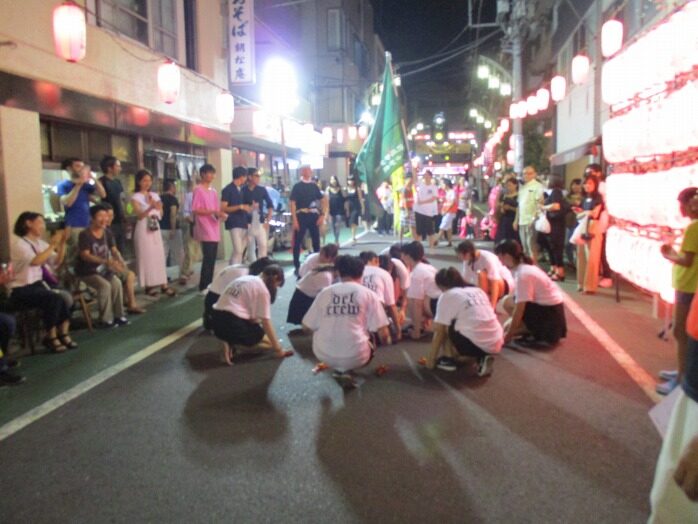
x=153 y=223
x=542 y=224
x=577 y=236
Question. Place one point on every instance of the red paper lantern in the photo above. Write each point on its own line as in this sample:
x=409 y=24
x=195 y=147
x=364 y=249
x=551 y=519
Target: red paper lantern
x=513 y=110
x=69 y=32
x=580 y=69
x=532 y=105
x=169 y=79
x=611 y=37
x=352 y=132
x=543 y=99
x=504 y=125
x=511 y=157
x=327 y=135
x=225 y=108
x=558 y=87
x=339 y=135
x=363 y=132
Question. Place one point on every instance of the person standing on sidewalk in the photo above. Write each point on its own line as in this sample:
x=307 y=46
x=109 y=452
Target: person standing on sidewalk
x=111 y=167
x=262 y=207
x=75 y=196
x=169 y=228
x=187 y=224
x=355 y=205
x=238 y=213
x=685 y=281
x=589 y=252
x=308 y=211
x=531 y=196
x=207 y=214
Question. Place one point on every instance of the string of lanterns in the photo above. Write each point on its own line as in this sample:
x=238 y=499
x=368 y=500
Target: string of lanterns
x=653 y=116
x=339 y=134
x=70 y=42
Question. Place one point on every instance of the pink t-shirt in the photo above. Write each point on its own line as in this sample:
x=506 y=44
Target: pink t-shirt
x=206 y=228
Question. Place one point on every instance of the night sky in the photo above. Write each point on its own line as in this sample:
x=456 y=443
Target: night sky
x=415 y=29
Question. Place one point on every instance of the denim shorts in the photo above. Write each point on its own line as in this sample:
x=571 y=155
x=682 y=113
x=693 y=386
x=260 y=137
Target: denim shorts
x=683 y=298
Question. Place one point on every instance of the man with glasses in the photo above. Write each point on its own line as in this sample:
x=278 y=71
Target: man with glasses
x=258 y=198
x=531 y=197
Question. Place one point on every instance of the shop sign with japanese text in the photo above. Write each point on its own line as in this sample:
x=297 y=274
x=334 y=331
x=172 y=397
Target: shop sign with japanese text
x=241 y=41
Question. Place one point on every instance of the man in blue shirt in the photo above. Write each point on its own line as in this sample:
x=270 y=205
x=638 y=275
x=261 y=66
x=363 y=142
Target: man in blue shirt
x=237 y=209
x=75 y=194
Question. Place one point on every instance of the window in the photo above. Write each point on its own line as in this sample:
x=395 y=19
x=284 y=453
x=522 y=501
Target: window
x=151 y=22
x=335 y=30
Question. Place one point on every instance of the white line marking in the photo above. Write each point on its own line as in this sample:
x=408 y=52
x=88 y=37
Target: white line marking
x=622 y=357
x=56 y=402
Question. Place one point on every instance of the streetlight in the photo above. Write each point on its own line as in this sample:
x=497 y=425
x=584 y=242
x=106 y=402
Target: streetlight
x=280 y=96
x=483 y=71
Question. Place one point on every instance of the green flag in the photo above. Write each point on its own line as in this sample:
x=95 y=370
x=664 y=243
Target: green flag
x=383 y=155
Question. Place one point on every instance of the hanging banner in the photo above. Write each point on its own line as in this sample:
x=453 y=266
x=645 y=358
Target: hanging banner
x=241 y=41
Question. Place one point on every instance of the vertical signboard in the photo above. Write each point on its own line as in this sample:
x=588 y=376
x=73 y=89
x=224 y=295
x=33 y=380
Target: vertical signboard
x=241 y=41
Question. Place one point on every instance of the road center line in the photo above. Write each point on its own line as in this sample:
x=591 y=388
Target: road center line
x=636 y=372
x=56 y=402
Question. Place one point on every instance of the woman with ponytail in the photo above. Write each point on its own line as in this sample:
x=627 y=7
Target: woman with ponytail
x=465 y=326
x=536 y=306
x=422 y=293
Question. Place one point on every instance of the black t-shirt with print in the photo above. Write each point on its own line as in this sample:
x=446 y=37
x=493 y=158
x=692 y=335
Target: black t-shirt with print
x=99 y=247
x=306 y=195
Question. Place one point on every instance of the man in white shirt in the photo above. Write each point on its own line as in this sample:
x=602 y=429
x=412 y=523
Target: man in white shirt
x=531 y=197
x=341 y=318
x=426 y=208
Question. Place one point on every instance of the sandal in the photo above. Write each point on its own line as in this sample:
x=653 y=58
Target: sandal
x=53 y=344
x=557 y=278
x=67 y=341
x=135 y=310
x=152 y=292
x=169 y=291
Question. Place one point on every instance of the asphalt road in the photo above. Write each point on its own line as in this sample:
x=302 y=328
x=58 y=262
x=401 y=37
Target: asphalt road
x=557 y=436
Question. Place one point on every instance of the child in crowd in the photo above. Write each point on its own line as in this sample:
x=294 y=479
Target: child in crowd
x=341 y=318
x=465 y=326
x=468 y=225
x=685 y=280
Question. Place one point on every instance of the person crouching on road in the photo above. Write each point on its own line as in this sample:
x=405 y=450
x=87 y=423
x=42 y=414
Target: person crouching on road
x=242 y=315
x=341 y=318
x=484 y=270
x=381 y=283
x=422 y=294
x=307 y=288
x=536 y=306
x=465 y=327
x=224 y=277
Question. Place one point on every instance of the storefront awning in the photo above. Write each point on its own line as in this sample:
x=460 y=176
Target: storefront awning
x=566 y=157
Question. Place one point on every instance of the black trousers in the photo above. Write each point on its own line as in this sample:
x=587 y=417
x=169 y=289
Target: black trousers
x=53 y=308
x=209 y=251
x=306 y=222
x=7 y=329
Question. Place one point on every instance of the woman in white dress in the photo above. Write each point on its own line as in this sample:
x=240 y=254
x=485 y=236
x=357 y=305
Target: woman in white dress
x=150 y=253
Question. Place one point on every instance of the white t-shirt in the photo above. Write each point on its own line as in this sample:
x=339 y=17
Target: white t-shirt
x=426 y=192
x=341 y=317
x=403 y=274
x=490 y=264
x=247 y=297
x=422 y=282
x=531 y=284
x=315 y=281
x=309 y=264
x=142 y=201
x=226 y=276
x=380 y=282
x=21 y=254
x=475 y=319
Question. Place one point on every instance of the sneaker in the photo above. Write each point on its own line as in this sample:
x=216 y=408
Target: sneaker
x=484 y=366
x=106 y=325
x=606 y=282
x=203 y=292
x=344 y=379
x=121 y=321
x=298 y=332
x=10 y=378
x=446 y=364
x=667 y=387
x=669 y=374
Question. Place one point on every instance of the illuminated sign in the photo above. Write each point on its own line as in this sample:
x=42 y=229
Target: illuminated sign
x=241 y=41
x=461 y=135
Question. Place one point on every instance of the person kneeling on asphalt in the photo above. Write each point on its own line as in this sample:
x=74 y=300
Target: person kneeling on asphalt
x=341 y=318
x=223 y=279
x=242 y=315
x=308 y=287
x=466 y=328
x=422 y=294
x=536 y=307
x=381 y=283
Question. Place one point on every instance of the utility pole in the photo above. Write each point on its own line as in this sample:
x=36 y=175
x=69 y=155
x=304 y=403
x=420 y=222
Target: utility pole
x=516 y=33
